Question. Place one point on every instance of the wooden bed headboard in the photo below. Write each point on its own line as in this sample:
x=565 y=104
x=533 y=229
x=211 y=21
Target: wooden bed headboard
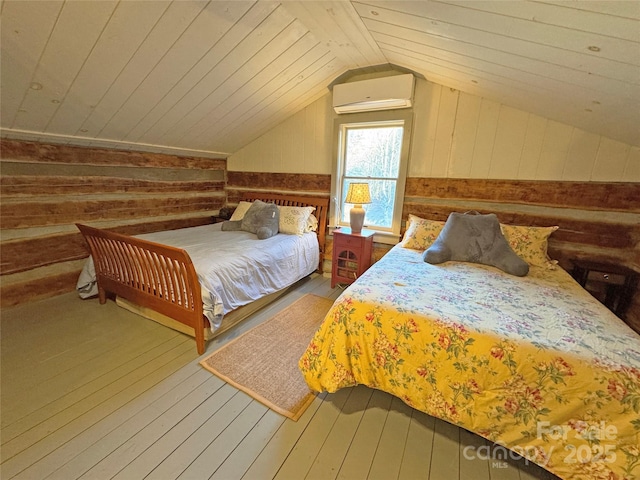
x=321 y=212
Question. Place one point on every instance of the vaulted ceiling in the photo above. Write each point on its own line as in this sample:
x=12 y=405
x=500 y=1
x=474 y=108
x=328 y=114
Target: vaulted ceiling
x=206 y=78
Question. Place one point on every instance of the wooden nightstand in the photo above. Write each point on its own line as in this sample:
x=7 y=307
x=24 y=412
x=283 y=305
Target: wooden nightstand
x=612 y=285
x=351 y=255
x=218 y=219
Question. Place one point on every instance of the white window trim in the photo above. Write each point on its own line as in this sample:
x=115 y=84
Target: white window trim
x=405 y=115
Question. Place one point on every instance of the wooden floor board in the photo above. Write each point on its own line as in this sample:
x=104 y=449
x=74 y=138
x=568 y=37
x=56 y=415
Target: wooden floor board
x=35 y=445
x=474 y=463
x=301 y=458
x=416 y=458
x=70 y=369
x=445 y=455
x=77 y=385
x=244 y=454
x=219 y=450
x=29 y=323
x=80 y=403
x=111 y=453
x=268 y=462
x=358 y=459
x=183 y=456
x=330 y=457
x=64 y=332
x=96 y=392
x=177 y=435
x=388 y=458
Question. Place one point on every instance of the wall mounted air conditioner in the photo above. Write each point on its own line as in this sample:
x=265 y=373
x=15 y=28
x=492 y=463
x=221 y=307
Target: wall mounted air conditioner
x=376 y=94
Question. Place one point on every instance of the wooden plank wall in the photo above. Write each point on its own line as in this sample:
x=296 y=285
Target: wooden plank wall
x=46 y=189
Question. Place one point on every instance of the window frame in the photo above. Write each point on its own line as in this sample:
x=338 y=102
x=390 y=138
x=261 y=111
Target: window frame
x=374 y=119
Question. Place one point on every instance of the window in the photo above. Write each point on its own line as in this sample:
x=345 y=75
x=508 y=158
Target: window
x=372 y=152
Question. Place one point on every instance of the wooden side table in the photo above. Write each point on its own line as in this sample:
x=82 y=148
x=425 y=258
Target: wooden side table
x=351 y=255
x=613 y=285
x=218 y=219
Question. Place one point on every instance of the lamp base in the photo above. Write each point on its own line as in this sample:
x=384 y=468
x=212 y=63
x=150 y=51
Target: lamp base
x=356 y=215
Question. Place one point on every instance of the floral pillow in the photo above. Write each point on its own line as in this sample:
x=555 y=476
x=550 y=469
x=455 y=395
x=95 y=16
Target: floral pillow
x=530 y=243
x=294 y=220
x=421 y=233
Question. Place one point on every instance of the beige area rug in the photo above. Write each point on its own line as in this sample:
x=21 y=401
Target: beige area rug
x=263 y=362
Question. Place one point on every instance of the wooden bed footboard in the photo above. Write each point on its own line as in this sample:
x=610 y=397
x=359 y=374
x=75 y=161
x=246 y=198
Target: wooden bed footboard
x=162 y=277
x=158 y=276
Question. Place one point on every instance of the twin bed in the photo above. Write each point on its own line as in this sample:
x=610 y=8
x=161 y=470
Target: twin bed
x=533 y=363
x=203 y=280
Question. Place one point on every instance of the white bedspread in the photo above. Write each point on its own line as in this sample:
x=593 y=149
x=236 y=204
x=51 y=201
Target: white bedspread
x=234 y=268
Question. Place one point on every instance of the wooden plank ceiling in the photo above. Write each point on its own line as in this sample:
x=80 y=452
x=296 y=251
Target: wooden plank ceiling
x=206 y=78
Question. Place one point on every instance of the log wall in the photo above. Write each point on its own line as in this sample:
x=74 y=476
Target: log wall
x=46 y=189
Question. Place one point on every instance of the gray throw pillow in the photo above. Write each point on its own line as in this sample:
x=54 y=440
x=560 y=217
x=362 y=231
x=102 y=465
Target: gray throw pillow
x=262 y=219
x=476 y=239
x=231 y=225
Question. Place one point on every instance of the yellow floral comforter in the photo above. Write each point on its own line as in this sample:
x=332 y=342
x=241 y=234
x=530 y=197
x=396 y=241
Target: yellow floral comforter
x=534 y=363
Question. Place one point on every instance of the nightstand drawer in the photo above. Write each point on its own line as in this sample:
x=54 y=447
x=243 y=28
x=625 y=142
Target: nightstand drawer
x=613 y=285
x=606 y=277
x=348 y=241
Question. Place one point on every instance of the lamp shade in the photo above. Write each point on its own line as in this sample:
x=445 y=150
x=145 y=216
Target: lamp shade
x=358 y=193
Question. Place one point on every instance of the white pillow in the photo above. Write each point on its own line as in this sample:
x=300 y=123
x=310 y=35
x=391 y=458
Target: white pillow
x=293 y=220
x=312 y=224
x=241 y=209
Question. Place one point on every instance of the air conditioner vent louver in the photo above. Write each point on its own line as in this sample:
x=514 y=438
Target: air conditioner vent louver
x=376 y=94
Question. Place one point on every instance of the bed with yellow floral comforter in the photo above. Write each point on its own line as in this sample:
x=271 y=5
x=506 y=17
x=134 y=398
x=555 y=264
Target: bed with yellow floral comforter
x=533 y=363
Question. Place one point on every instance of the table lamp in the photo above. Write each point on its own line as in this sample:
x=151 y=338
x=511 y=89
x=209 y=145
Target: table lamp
x=357 y=194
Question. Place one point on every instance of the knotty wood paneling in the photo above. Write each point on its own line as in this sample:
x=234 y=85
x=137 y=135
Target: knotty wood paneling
x=50 y=185
x=33 y=214
x=294 y=182
x=46 y=189
x=610 y=196
x=65 y=154
x=44 y=287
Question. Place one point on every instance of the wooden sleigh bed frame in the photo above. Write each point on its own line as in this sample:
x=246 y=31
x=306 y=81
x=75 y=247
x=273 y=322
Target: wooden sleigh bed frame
x=162 y=278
